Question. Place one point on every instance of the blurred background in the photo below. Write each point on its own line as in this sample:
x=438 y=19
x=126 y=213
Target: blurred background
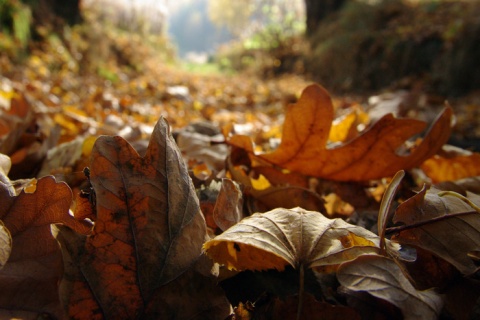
x=349 y=46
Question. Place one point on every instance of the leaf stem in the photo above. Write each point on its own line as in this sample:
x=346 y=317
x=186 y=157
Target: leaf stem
x=461 y=197
x=301 y=292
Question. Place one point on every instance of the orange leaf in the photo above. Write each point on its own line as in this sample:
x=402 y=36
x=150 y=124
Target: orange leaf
x=146 y=240
x=371 y=155
x=29 y=280
x=440 y=168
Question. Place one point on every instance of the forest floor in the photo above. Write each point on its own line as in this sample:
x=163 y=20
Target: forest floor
x=53 y=113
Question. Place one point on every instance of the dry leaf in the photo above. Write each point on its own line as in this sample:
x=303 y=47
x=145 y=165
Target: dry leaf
x=279 y=196
x=443 y=224
x=5 y=244
x=372 y=155
x=14 y=123
x=146 y=240
x=384 y=212
x=456 y=167
x=461 y=186
x=29 y=280
x=228 y=207
x=383 y=278
x=296 y=237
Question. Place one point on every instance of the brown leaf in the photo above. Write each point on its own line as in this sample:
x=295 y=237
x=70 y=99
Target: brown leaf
x=383 y=278
x=147 y=238
x=228 y=208
x=14 y=123
x=296 y=237
x=384 y=212
x=443 y=224
x=371 y=155
x=269 y=197
x=29 y=280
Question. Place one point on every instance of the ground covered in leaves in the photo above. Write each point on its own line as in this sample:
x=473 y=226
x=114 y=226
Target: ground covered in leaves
x=119 y=193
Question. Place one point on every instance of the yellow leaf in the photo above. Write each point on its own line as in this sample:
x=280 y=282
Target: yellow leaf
x=440 y=168
x=261 y=183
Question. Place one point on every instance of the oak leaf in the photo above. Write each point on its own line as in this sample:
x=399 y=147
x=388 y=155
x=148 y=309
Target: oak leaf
x=296 y=237
x=383 y=278
x=442 y=222
x=372 y=155
x=143 y=257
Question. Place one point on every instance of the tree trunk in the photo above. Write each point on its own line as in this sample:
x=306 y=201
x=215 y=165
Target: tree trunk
x=317 y=10
x=54 y=12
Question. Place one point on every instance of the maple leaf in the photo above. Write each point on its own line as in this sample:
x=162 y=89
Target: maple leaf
x=29 y=279
x=295 y=237
x=382 y=277
x=143 y=258
x=442 y=222
x=371 y=155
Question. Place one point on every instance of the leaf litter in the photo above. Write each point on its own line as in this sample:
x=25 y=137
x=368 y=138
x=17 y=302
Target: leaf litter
x=129 y=237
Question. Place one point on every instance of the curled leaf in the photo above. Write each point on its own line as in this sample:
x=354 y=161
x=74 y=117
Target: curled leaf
x=384 y=212
x=5 y=244
x=383 y=278
x=295 y=237
x=445 y=225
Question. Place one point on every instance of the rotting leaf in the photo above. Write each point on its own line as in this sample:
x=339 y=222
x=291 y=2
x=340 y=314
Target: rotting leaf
x=371 y=155
x=147 y=238
x=443 y=224
x=383 y=278
x=295 y=237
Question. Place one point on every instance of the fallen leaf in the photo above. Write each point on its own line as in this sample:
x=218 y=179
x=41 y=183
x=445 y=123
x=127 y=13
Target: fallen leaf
x=29 y=280
x=461 y=186
x=295 y=237
x=445 y=225
x=450 y=168
x=5 y=244
x=372 y=155
x=228 y=207
x=203 y=142
x=278 y=196
x=142 y=257
x=14 y=123
x=385 y=206
x=382 y=277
